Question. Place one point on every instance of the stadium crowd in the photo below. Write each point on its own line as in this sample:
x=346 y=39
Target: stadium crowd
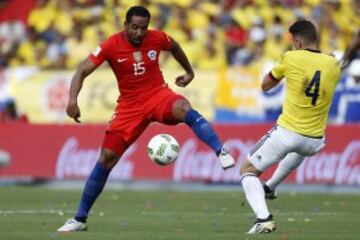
x=58 y=34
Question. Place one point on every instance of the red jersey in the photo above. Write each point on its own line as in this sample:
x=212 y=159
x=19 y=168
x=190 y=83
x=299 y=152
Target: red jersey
x=136 y=69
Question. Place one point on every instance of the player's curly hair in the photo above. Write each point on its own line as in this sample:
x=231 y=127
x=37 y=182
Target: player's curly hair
x=137 y=11
x=304 y=29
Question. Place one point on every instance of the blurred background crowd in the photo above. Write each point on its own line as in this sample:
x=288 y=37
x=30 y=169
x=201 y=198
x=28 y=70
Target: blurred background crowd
x=216 y=35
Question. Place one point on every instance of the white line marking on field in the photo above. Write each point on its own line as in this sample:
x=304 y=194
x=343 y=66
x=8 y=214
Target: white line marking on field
x=34 y=212
x=61 y=212
x=248 y=214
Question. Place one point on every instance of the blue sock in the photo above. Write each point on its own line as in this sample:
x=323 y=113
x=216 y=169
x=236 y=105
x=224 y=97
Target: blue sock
x=203 y=130
x=93 y=187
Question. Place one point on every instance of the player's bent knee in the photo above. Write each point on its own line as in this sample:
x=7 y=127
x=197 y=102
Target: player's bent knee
x=180 y=108
x=108 y=158
x=248 y=168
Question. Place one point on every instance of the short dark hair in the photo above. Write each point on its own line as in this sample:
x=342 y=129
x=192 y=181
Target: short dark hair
x=305 y=29
x=137 y=11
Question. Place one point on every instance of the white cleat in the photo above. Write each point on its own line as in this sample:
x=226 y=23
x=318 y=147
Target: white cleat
x=263 y=226
x=226 y=159
x=72 y=225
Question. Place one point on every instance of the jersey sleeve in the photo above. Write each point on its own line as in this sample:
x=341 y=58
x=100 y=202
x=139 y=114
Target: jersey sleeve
x=278 y=71
x=166 y=43
x=100 y=54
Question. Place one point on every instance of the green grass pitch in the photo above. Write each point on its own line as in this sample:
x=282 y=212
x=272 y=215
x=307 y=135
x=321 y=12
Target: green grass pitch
x=36 y=212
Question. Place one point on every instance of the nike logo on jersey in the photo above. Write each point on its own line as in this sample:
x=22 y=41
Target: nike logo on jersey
x=96 y=51
x=121 y=60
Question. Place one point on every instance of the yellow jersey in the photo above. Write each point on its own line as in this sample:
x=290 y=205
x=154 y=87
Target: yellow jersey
x=311 y=78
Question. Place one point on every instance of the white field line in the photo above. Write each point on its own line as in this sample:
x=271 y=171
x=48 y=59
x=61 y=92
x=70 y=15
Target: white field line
x=248 y=213
x=36 y=212
x=68 y=211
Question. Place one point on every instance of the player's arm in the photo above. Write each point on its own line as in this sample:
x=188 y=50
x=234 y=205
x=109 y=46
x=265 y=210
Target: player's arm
x=182 y=59
x=268 y=82
x=275 y=75
x=85 y=68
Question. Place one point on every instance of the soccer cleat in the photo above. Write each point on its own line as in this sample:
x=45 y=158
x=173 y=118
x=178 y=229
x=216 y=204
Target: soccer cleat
x=263 y=226
x=72 y=225
x=269 y=194
x=226 y=159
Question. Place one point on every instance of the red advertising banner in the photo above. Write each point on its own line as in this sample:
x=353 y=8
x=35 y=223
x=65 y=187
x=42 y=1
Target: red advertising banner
x=70 y=151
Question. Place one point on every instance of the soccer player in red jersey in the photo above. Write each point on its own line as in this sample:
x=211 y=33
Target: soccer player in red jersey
x=133 y=55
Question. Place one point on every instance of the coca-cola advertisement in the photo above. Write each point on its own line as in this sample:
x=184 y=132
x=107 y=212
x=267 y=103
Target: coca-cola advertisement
x=70 y=152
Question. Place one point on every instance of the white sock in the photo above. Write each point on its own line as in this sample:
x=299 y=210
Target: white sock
x=285 y=167
x=255 y=195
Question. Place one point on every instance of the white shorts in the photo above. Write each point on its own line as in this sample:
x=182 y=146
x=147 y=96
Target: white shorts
x=279 y=142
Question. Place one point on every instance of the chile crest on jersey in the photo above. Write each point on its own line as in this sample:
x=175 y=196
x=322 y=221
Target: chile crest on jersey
x=137 y=56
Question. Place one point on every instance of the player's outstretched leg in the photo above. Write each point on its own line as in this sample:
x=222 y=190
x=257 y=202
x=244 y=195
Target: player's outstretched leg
x=285 y=167
x=93 y=187
x=204 y=131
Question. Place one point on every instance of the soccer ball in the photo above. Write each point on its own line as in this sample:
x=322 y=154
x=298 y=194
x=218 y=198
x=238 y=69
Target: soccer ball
x=163 y=149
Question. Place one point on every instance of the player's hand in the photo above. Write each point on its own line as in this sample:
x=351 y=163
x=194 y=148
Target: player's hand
x=184 y=80
x=73 y=111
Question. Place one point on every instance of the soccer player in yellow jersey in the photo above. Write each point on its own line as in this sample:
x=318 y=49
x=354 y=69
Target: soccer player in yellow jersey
x=310 y=79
